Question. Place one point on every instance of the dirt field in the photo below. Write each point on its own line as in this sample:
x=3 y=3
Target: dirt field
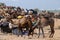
x=14 y=37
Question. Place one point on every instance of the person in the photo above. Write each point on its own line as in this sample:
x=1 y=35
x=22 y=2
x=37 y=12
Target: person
x=30 y=13
x=39 y=25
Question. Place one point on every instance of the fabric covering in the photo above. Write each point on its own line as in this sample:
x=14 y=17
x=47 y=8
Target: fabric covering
x=33 y=23
x=19 y=17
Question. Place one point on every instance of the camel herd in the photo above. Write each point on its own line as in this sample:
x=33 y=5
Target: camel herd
x=12 y=18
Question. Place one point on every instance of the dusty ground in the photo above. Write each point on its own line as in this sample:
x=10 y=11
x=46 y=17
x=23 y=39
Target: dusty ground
x=14 y=37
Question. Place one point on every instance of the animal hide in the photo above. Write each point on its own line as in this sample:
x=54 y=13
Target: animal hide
x=23 y=20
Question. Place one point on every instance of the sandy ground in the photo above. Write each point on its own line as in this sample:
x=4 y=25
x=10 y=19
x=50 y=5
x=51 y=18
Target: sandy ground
x=15 y=37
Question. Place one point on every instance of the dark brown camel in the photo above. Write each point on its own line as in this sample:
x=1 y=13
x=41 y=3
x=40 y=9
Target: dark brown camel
x=25 y=22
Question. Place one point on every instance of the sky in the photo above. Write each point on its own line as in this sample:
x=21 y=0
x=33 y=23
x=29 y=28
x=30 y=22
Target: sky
x=40 y=4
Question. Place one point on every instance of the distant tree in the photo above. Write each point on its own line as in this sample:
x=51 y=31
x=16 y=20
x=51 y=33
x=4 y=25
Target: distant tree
x=2 y=4
x=36 y=9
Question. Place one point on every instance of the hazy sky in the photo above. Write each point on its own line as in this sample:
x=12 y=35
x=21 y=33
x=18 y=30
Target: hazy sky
x=41 y=4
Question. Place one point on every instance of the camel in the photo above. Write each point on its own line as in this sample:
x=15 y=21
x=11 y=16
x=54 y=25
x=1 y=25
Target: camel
x=21 y=23
x=42 y=21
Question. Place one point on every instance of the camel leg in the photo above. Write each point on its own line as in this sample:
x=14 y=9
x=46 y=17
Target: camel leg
x=27 y=30
x=52 y=29
x=21 y=32
x=32 y=33
x=18 y=33
x=52 y=32
x=39 y=33
x=42 y=32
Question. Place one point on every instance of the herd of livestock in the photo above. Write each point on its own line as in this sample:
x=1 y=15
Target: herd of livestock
x=17 y=18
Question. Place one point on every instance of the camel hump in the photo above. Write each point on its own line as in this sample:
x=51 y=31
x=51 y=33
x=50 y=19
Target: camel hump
x=23 y=20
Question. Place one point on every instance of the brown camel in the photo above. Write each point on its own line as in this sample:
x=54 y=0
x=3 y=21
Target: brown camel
x=25 y=22
x=44 y=21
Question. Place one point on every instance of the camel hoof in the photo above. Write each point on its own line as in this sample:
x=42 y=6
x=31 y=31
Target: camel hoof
x=21 y=36
x=43 y=36
x=51 y=36
x=18 y=35
x=38 y=36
